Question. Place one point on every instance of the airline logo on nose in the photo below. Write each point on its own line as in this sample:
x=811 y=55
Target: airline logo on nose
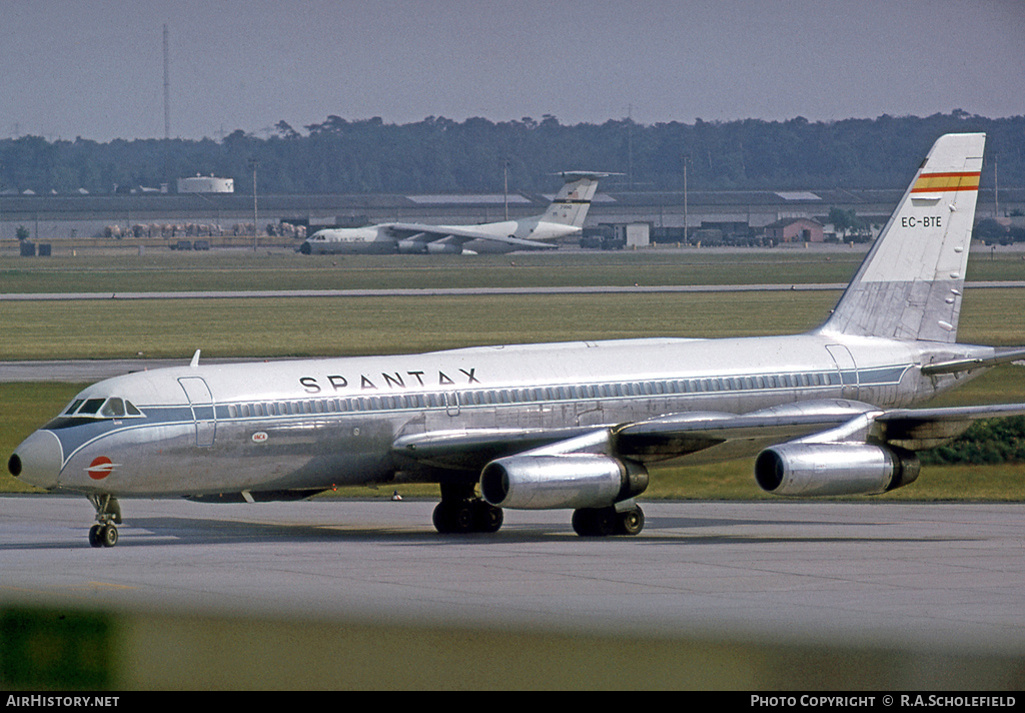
x=100 y=468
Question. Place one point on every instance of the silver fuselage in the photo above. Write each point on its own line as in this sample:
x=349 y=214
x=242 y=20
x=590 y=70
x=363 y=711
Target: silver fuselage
x=310 y=425
x=379 y=239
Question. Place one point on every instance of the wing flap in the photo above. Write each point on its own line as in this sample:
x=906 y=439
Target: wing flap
x=919 y=429
x=676 y=435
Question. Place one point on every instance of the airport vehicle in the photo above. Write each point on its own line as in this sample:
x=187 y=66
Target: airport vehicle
x=565 y=425
x=564 y=217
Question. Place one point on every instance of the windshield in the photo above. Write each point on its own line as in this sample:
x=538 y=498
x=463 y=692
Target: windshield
x=112 y=407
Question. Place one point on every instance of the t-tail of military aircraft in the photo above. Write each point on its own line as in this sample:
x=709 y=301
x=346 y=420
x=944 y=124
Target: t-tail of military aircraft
x=563 y=218
x=576 y=426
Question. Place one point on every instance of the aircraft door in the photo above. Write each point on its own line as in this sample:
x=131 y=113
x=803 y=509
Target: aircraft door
x=847 y=368
x=201 y=401
x=452 y=403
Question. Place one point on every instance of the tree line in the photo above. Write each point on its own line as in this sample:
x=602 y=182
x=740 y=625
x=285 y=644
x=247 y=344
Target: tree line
x=985 y=442
x=440 y=155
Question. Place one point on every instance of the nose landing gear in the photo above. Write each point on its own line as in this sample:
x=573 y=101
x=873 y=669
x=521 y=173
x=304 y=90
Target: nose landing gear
x=108 y=516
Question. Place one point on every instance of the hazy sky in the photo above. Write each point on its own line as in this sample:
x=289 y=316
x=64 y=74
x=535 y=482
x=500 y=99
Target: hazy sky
x=94 y=68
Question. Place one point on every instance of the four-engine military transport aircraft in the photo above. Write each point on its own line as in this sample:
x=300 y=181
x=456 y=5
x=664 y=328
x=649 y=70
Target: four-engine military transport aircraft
x=564 y=217
x=571 y=425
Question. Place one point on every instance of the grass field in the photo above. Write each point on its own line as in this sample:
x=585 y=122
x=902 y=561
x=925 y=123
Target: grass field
x=348 y=326
x=279 y=270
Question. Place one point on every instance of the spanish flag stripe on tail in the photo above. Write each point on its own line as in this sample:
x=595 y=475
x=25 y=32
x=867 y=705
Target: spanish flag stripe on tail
x=933 y=182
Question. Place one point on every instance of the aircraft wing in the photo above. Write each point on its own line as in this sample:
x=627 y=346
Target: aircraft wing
x=681 y=434
x=459 y=235
x=472 y=449
x=829 y=421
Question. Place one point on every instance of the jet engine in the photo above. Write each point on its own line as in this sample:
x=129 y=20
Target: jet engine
x=541 y=482
x=411 y=247
x=439 y=248
x=810 y=469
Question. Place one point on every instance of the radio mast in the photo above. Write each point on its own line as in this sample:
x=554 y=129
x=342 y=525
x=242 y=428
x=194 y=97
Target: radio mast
x=167 y=89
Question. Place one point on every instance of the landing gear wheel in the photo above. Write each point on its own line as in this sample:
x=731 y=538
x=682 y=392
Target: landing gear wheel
x=103 y=535
x=108 y=514
x=602 y=522
x=595 y=522
x=631 y=522
x=445 y=518
x=109 y=536
x=487 y=517
x=466 y=516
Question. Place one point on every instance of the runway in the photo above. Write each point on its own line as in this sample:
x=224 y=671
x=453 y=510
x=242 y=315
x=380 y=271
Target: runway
x=899 y=574
x=710 y=595
x=453 y=291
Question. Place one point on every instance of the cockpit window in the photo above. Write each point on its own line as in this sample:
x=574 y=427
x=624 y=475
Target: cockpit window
x=112 y=407
x=73 y=407
x=90 y=407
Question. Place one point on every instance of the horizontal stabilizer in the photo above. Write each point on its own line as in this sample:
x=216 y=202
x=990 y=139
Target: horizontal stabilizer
x=590 y=175
x=1002 y=356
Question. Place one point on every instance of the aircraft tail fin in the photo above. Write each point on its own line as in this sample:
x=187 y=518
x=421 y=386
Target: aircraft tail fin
x=569 y=207
x=909 y=287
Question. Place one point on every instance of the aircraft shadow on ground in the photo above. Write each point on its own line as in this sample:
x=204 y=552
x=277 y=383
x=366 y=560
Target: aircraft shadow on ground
x=174 y=531
x=170 y=531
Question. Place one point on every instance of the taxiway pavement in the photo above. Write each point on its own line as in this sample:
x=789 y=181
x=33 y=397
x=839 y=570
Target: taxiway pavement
x=925 y=576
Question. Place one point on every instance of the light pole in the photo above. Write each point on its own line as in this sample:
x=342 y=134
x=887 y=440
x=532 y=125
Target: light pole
x=686 y=160
x=253 y=164
x=505 y=173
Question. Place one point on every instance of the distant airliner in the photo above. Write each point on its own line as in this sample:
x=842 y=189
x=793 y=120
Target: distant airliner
x=572 y=425
x=564 y=217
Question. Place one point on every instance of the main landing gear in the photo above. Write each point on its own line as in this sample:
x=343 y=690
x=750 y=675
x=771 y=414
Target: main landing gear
x=602 y=522
x=108 y=516
x=461 y=512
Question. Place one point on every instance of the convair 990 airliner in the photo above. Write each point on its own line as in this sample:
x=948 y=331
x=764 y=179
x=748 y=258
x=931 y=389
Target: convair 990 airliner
x=563 y=218
x=571 y=425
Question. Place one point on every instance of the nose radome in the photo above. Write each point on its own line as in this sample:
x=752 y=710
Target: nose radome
x=37 y=461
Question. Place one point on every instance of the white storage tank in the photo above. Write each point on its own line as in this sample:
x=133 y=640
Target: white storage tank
x=206 y=184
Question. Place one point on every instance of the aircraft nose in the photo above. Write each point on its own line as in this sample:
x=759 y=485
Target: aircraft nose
x=37 y=461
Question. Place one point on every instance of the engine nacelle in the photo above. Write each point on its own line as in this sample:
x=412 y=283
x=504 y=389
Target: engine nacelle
x=811 y=469
x=411 y=247
x=438 y=248
x=544 y=482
